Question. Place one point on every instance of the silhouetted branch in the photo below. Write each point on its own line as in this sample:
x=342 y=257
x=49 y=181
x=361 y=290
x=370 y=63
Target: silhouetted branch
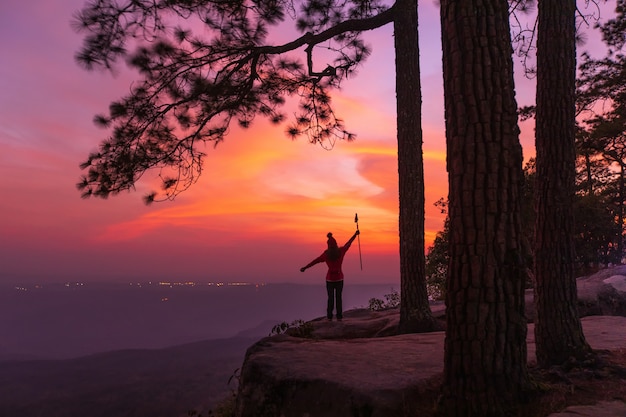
x=192 y=88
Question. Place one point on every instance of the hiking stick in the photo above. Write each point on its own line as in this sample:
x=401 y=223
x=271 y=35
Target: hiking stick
x=356 y=220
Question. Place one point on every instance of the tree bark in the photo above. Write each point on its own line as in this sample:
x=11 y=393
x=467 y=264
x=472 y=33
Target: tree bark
x=415 y=314
x=620 y=213
x=558 y=331
x=485 y=365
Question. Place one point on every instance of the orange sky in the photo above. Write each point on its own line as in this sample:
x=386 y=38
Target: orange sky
x=263 y=205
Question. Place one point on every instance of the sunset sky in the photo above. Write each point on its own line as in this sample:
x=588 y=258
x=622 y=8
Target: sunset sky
x=263 y=205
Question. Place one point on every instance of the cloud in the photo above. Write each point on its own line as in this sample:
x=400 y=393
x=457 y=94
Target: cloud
x=262 y=201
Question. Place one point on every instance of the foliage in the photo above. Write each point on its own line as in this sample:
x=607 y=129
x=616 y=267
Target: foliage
x=437 y=264
x=297 y=328
x=376 y=304
x=207 y=64
x=392 y=300
x=523 y=20
x=595 y=233
x=528 y=215
x=437 y=258
x=594 y=240
x=601 y=89
x=601 y=153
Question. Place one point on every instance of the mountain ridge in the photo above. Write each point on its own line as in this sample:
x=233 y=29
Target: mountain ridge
x=164 y=382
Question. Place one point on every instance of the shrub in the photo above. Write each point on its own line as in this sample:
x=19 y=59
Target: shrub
x=297 y=328
x=392 y=300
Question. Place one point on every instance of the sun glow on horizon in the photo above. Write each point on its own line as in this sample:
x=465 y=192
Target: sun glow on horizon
x=273 y=187
x=261 y=195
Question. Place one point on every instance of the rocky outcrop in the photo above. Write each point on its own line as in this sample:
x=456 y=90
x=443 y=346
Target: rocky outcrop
x=363 y=323
x=603 y=293
x=286 y=376
x=615 y=408
x=600 y=294
x=359 y=367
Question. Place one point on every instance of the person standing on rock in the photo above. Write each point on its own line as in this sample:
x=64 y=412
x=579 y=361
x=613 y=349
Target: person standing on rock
x=333 y=256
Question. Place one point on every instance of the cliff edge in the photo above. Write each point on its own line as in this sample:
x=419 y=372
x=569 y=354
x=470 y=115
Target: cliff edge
x=358 y=367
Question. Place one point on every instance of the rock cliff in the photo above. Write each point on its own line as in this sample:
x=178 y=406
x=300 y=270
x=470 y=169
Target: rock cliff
x=359 y=367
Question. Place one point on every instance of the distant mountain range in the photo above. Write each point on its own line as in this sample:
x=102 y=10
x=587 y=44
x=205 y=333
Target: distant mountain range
x=59 y=322
x=127 y=383
x=119 y=351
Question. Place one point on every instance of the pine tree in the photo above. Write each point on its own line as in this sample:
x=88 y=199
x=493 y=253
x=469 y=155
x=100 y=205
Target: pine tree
x=558 y=330
x=194 y=87
x=485 y=365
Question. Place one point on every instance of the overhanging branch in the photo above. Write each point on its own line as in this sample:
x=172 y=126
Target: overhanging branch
x=353 y=25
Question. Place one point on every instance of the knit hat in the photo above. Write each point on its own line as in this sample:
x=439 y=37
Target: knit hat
x=331 y=240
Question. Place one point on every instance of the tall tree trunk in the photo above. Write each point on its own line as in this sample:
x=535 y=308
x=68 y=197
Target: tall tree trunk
x=620 y=214
x=415 y=314
x=558 y=331
x=485 y=368
x=589 y=176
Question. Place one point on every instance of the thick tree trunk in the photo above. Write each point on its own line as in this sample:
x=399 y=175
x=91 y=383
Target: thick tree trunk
x=485 y=368
x=415 y=314
x=558 y=331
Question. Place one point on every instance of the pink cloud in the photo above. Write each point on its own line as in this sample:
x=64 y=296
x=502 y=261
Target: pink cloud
x=264 y=203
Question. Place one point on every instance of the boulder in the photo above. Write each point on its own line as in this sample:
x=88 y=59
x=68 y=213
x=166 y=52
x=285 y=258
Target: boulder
x=603 y=293
x=599 y=294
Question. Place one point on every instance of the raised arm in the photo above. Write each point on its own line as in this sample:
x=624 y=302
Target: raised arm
x=349 y=242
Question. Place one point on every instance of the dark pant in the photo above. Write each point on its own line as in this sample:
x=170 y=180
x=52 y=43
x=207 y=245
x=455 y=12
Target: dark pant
x=334 y=289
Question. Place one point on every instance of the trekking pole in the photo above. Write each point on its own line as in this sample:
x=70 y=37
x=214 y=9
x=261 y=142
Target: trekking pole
x=356 y=220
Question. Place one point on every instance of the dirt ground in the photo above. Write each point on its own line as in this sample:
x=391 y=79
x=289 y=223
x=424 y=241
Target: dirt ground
x=606 y=381
x=558 y=388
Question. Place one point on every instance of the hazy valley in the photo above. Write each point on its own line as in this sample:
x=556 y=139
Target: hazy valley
x=124 y=350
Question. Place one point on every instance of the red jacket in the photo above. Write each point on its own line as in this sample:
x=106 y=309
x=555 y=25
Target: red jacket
x=334 y=267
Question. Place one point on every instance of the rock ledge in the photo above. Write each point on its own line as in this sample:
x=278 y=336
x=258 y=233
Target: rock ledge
x=358 y=367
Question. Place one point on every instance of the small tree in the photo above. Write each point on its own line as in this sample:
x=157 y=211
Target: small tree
x=437 y=258
x=595 y=232
x=437 y=261
x=602 y=97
